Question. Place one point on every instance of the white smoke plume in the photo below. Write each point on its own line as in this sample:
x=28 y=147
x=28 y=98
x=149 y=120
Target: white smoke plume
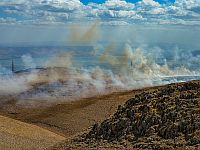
x=12 y=83
x=62 y=78
x=134 y=69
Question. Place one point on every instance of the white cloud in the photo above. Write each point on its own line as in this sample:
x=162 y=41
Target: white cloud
x=115 y=23
x=7 y=20
x=67 y=4
x=63 y=11
x=12 y=2
x=149 y=3
x=112 y=9
x=72 y=3
x=118 y=5
x=187 y=4
x=157 y=11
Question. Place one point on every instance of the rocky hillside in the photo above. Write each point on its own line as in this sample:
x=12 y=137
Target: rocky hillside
x=164 y=118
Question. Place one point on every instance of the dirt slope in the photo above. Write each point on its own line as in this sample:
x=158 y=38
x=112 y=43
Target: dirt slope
x=69 y=118
x=16 y=135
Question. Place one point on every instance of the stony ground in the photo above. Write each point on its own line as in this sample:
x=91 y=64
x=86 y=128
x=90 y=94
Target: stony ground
x=167 y=117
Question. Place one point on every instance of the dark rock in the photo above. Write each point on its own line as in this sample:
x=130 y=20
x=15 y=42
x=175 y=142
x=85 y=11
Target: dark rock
x=192 y=142
x=131 y=138
x=160 y=115
x=144 y=108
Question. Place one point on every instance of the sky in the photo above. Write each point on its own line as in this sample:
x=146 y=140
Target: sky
x=132 y=1
x=109 y=12
x=40 y=21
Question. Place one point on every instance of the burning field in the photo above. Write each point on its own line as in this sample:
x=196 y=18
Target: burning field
x=82 y=71
x=62 y=77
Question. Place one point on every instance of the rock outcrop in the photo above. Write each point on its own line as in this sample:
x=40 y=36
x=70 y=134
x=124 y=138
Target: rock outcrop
x=158 y=119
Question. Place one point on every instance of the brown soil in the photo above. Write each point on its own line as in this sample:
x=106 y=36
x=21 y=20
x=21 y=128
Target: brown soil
x=17 y=135
x=70 y=119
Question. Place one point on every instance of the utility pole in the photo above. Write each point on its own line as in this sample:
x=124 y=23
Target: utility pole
x=13 y=66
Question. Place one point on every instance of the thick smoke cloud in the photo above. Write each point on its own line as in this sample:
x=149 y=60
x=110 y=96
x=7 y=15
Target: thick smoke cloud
x=126 y=66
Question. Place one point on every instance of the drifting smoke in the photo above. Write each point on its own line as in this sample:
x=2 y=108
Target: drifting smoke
x=11 y=83
x=106 y=56
x=134 y=69
x=28 y=61
x=63 y=60
x=84 y=35
x=62 y=78
x=140 y=65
